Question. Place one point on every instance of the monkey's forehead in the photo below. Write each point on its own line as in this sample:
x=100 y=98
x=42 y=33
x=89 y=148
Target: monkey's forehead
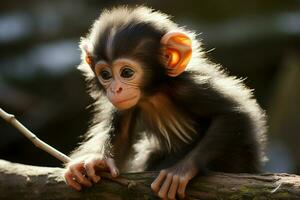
x=124 y=27
x=119 y=62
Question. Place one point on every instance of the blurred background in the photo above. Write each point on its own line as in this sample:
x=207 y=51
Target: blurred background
x=39 y=83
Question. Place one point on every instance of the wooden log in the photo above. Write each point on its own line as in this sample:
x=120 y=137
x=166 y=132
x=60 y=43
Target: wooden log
x=18 y=181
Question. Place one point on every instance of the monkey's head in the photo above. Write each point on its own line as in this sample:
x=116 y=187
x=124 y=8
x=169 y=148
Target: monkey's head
x=132 y=51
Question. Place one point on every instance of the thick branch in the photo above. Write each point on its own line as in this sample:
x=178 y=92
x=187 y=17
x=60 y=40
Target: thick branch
x=19 y=181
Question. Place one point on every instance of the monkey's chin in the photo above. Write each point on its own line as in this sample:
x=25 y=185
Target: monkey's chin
x=126 y=103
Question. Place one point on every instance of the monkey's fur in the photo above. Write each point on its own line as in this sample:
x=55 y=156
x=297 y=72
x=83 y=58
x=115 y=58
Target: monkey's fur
x=203 y=116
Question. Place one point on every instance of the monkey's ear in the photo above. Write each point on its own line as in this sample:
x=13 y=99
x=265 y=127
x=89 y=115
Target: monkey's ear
x=177 y=48
x=87 y=56
x=88 y=59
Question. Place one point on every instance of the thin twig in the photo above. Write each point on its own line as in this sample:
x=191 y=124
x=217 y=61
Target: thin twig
x=11 y=119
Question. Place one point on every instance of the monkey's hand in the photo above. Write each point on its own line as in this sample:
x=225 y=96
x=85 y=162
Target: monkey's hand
x=174 y=180
x=83 y=172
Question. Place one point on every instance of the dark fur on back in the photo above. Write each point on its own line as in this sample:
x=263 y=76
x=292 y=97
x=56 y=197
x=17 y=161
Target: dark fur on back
x=229 y=123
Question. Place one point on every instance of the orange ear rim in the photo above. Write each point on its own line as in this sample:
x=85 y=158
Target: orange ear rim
x=178 y=50
x=89 y=59
x=85 y=49
x=178 y=36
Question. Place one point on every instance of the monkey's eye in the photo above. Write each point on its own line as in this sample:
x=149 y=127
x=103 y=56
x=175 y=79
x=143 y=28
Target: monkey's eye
x=105 y=75
x=126 y=72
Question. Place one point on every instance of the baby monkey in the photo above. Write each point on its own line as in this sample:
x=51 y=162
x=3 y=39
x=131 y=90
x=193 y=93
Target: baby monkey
x=161 y=105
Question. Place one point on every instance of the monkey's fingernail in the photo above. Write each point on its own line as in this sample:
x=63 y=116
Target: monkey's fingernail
x=96 y=179
x=78 y=188
x=114 y=173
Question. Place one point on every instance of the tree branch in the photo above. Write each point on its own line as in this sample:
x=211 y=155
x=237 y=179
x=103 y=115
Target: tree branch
x=19 y=181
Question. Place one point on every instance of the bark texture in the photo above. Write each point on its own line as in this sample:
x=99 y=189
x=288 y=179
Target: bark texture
x=18 y=181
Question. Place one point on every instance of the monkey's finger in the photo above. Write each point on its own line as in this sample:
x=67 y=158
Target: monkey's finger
x=173 y=188
x=90 y=172
x=112 y=167
x=155 y=186
x=100 y=164
x=182 y=186
x=80 y=178
x=165 y=187
x=71 y=182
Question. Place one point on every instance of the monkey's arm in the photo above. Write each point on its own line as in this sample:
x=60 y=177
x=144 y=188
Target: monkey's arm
x=225 y=133
x=91 y=156
x=95 y=144
x=229 y=137
x=228 y=141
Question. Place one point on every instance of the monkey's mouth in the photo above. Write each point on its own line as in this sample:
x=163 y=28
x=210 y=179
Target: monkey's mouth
x=125 y=100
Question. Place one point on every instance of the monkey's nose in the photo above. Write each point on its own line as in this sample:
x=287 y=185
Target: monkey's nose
x=116 y=87
x=117 y=90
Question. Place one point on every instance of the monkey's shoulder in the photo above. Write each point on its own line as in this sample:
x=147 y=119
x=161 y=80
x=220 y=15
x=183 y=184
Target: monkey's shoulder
x=210 y=94
x=217 y=82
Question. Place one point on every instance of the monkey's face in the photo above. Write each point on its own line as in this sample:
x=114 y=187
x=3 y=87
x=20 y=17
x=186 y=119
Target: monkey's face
x=122 y=80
